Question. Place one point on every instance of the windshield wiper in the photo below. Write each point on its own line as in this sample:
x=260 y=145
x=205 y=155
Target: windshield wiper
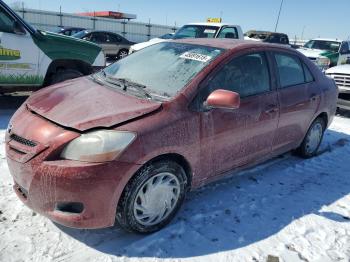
x=125 y=84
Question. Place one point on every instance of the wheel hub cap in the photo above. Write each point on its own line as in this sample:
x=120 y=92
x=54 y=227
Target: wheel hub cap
x=314 y=138
x=156 y=199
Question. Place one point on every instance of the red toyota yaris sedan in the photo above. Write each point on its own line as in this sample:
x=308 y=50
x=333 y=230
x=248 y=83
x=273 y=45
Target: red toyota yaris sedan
x=127 y=143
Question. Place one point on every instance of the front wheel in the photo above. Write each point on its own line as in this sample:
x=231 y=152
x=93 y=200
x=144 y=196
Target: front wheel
x=313 y=139
x=152 y=198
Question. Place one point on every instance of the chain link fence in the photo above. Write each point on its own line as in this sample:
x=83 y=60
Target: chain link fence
x=133 y=31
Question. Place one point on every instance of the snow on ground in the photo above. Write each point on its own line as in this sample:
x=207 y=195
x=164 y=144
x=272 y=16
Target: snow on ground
x=290 y=208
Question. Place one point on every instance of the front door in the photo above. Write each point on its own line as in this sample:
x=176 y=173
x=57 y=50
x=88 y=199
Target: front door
x=232 y=138
x=18 y=54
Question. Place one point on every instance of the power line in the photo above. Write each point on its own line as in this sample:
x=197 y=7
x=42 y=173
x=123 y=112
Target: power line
x=279 y=13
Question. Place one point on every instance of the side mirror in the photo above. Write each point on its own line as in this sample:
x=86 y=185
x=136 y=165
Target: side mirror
x=18 y=29
x=223 y=99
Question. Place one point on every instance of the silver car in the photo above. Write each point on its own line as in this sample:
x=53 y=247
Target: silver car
x=113 y=45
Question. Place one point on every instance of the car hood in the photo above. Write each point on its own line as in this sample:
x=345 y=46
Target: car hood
x=83 y=104
x=341 y=69
x=313 y=53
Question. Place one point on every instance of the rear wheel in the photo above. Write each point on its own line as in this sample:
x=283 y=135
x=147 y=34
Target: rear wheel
x=152 y=198
x=64 y=74
x=122 y=53
x=313 y=139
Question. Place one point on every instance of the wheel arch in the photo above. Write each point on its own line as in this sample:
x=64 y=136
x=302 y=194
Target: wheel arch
x=324 y=117
x=179 y=159
x=61 y=64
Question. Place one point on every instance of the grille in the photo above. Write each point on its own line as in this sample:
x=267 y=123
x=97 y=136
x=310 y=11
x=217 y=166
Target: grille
x=312 y=58
x=23 y=141
x=342 y=80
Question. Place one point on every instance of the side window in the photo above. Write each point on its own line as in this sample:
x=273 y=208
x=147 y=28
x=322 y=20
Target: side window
x=308 y=76
x=284 y=40
x=247 y=75
x=6 y=22
x=344 y=49
x=228 y=32
x=98 y=38
x=290 y=70
x=113 y=38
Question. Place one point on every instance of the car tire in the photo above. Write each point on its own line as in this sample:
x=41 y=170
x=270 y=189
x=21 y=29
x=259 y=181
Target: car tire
x=122 y=53
x=152 y=197
x=313 y=139
x=65 y=74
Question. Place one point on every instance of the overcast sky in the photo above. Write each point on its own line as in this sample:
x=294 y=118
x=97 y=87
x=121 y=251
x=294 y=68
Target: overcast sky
x=317 y=18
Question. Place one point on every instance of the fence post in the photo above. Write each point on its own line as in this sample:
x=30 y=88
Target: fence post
x=23 y=10
x=94 y=21
x=149 y=29
x=61 y=16
x=124 y=27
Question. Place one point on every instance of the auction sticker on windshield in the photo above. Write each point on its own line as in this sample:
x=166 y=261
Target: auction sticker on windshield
x=196 y=57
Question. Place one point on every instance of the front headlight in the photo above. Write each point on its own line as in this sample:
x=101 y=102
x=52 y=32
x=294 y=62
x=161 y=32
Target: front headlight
x=98 y=146
x=323 y=62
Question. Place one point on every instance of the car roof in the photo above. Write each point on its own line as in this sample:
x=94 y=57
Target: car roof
x=229 y=43
x=264 y=33
x=101 y=31
x=328 y=39
x=71 y=27
x=211 y=24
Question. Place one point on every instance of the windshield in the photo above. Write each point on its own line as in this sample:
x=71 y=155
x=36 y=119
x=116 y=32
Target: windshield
x=162 y=69
x=80 y=34
x=196 y=31
x=323 y=45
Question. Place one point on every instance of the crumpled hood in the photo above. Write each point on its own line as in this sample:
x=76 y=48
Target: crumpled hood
x=83 y=104
x=313 y=53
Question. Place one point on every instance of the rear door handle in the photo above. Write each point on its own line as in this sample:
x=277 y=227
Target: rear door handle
x=313 y=97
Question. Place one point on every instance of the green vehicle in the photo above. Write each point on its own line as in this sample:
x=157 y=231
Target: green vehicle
x=30 y=58
x=326 y=53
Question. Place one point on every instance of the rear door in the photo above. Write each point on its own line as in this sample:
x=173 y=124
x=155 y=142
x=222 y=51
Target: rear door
x=299 y=98
x=232 y=138
x=18 y=53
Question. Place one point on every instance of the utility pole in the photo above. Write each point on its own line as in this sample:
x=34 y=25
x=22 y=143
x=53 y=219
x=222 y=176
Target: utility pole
x=302 y=33
x=279 y=13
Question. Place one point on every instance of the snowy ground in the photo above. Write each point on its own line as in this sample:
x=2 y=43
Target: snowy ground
x=293 y=209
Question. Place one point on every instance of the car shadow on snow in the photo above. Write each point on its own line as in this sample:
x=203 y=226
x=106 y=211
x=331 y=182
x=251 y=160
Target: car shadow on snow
x=235 y=212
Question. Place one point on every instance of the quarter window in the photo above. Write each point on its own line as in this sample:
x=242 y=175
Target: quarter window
x=247 y=75
x=290 y=70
